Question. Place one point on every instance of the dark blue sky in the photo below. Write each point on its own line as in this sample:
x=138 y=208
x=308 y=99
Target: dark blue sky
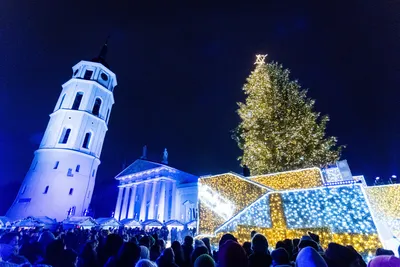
x=180 y=71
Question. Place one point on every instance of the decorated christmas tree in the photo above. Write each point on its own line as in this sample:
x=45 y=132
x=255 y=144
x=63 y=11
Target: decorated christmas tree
x=279 y=130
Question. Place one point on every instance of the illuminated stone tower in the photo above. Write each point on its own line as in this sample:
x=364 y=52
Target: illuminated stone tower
x=61 y=179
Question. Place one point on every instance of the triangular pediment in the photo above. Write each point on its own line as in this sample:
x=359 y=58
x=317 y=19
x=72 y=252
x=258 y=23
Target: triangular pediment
x=139 y=165
x=144 y=169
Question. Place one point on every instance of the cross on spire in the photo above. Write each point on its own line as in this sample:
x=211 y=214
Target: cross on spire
x=260 y=59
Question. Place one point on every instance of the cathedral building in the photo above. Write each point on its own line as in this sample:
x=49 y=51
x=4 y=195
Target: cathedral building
x=61 y=178
x=155 y=191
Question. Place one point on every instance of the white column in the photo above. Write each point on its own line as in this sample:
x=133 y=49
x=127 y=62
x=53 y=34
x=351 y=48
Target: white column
x=144 y=202
x=125 y=203
x=132 y=203
x=161 y=202
x=118 y=206
x=167 y=204
x=174 y=203
x=152 y=207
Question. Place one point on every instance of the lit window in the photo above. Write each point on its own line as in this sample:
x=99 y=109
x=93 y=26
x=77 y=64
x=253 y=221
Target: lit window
x=86 y=140
x=62 y=101
x=93 y=172
x=70 y=173
x=56 y=165
x=77 y=101
x=46 y=190
x=96 y=107
x=77 y=168
x=71 y=191
x=65 y=136
x=88 y=75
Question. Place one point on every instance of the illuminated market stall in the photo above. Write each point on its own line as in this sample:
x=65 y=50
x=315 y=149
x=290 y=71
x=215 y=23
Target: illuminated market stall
x=331 y=203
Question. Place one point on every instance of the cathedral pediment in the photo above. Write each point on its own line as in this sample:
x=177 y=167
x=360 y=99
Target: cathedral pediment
x=141 y=170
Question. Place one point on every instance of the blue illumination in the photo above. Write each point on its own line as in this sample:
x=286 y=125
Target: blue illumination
x=343 y=209
x=258 y=214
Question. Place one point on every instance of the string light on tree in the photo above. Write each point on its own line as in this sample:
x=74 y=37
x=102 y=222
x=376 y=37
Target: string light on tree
x=279 y=130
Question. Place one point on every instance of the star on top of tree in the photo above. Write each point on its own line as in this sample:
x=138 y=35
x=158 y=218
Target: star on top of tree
x=260 y=59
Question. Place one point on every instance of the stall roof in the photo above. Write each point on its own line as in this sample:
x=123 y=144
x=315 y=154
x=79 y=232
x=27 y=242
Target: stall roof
x=130 y=223
x=152 y=223
x=83 y=221
x=108 y=221
x=174 y=223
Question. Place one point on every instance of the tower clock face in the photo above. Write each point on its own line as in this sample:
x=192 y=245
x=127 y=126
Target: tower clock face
x=104 y=76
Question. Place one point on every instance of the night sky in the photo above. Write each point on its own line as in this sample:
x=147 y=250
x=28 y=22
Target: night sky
x=180 y=71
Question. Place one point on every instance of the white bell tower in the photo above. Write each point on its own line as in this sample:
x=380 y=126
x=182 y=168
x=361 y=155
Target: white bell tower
x=62 y=176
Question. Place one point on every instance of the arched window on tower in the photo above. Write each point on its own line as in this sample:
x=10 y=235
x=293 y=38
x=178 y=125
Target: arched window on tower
x=62 y=101
x=77 y=101
x=65 y=135
x=86 y=140
x=96 y=107
x=88 y=75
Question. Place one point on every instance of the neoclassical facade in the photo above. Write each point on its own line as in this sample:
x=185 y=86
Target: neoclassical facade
x=156 y=191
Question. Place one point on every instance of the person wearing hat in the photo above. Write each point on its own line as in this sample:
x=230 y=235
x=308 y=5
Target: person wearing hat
x=340 y=256
x=384 y=261
x=309 y=257
x=260 y=255
x=231 y=254
x=204 y=261
x=305 y=241
x=280 y=258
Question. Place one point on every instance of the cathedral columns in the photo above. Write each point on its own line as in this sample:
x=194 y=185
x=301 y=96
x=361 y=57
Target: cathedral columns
x=132 y=202
x=144 y=203
x=118 y=206
x=167 y=198
x=152 y=208
x=169 y=215
x=125 y=203
x=161 y=202
x=175 y=214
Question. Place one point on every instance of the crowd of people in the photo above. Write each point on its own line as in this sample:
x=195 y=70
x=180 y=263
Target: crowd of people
x=163 y=233
x=140 y=248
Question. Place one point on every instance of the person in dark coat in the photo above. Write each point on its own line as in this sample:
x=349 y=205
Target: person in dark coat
x=231 y=254
x=166 y=259
x=176 y=247
x=187 y=248
x=260 y=256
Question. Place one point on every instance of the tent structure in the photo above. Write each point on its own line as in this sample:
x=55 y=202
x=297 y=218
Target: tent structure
x=152 y=223
x=33 y=222
x=4 y=222
x=192 y=224
x=84 y=222
x=108 y=223
x=174 y=223
x=130 y=223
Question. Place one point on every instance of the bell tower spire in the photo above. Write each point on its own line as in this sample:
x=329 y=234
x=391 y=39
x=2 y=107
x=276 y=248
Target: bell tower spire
x=101 y=58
